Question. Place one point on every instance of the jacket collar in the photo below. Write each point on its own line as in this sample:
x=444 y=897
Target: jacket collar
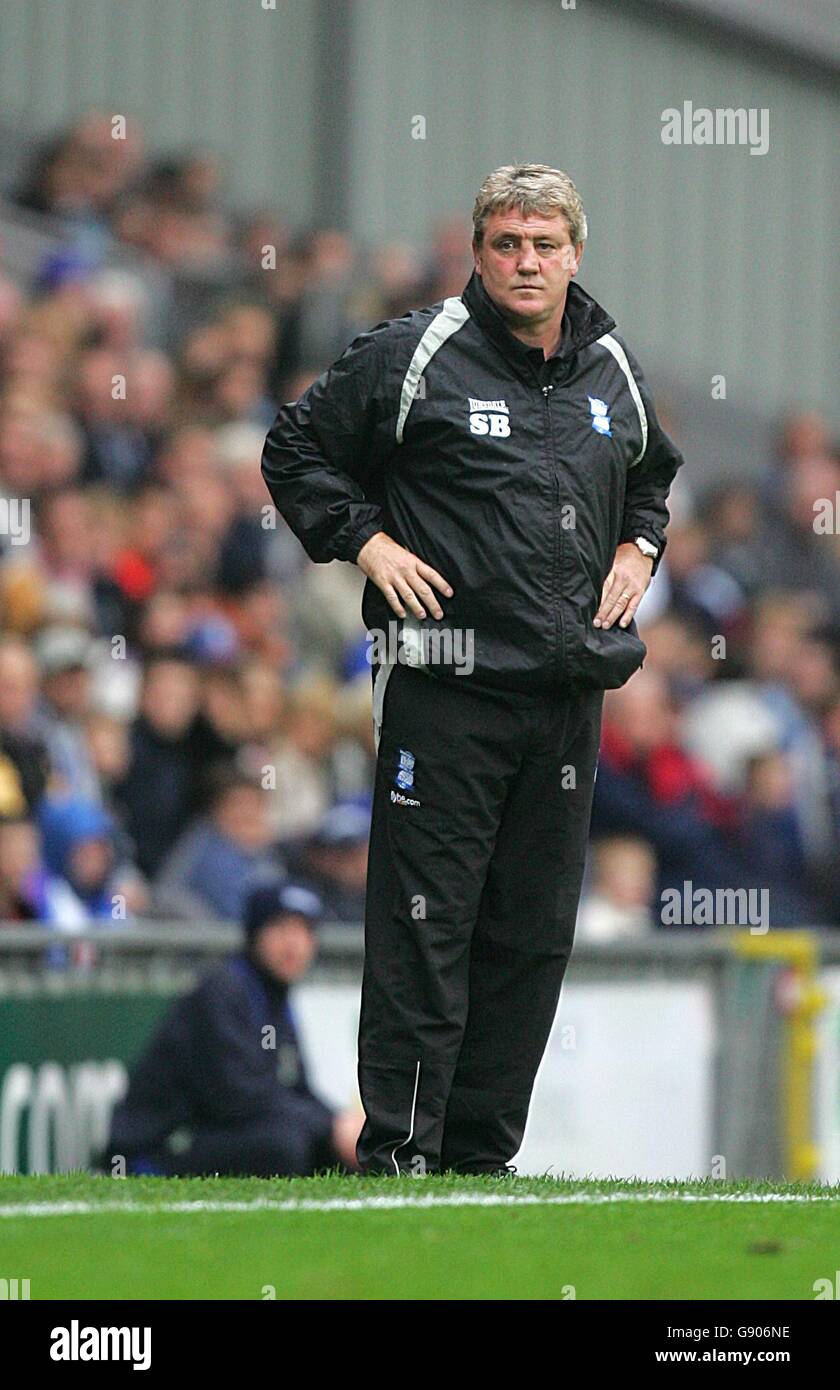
x=583 y=321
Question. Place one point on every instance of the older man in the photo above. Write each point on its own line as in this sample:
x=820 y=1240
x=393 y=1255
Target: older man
x=495 y=466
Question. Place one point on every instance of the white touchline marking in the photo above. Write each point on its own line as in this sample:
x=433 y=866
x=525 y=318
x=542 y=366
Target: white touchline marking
x=466 y=1199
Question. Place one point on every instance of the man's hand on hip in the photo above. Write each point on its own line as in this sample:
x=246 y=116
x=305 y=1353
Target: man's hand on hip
x=624 y=586
x=403 y=578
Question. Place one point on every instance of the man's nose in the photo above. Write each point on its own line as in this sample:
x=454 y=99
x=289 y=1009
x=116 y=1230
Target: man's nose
x=528 y=258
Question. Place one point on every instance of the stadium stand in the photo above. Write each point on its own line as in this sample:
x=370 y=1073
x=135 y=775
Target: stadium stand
x=181 y=688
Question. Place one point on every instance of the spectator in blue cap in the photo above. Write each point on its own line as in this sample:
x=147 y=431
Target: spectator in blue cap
x=334 y=858
x=222 y=1087
x=93 y=878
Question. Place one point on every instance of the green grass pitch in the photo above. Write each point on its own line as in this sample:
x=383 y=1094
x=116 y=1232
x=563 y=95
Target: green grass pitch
x=333 y=1237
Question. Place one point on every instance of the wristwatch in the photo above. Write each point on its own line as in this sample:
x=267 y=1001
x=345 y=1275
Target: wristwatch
x=651 y=551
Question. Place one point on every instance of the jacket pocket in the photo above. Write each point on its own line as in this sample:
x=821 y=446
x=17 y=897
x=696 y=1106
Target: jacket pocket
x=606 y=657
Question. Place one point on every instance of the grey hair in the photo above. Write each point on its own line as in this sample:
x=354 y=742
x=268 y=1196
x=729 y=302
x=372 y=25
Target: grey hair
x=532 y=188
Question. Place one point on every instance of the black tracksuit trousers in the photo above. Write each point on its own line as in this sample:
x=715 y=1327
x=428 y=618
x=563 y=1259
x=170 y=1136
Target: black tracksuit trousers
x=478 y=839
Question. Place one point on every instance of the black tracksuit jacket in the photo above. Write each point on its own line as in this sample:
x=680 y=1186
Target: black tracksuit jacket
x=516 y=477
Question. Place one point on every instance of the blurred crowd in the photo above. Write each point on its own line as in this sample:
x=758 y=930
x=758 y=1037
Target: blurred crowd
x=720 y=759
x=185 y=697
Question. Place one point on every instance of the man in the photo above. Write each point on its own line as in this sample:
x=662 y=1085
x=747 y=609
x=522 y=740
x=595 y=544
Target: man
x=66 y=657
x=207 y=872
x=158 y=790
x=334 y=860
x=222 y=1087
x=495 y=466
x=24 y=762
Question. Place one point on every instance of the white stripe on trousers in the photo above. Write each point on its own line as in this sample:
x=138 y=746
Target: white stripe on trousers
x=410 y=1134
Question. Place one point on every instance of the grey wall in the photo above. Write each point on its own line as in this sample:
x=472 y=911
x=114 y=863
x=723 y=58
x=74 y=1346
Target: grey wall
x=810 y=27
x=219 y=73
x=711 y=259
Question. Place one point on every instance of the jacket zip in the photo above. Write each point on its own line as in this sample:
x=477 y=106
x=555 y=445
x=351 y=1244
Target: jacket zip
x=557 y=542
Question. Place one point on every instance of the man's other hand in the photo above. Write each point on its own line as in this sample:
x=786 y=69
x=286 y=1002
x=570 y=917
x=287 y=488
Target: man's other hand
x=624 y=586
x=403 y=578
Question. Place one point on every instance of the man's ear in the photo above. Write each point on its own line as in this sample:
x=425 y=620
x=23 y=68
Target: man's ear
x=578 y=257
x=476 y=250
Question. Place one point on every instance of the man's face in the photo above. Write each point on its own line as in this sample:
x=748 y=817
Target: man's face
x=18 y=687
x=526 y=263
x=285 y=947
x=90 y=862
x=242 y=816
x=68 y=691
x=346 y=866
x=170 y=696
x=18 y=851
